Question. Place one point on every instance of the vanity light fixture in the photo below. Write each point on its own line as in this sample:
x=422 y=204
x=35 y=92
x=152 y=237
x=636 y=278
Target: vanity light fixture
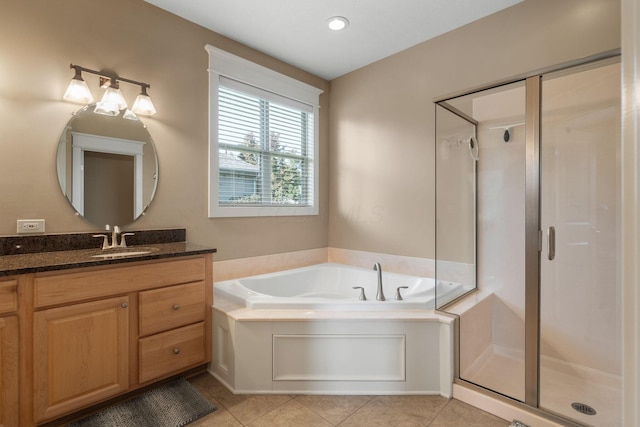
x=337 y=23
x=113 y=95
x=78 y=91
x=142 y=104
x=112 y=101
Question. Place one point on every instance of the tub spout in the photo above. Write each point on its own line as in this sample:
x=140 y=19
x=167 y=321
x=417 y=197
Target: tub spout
x=380 y=293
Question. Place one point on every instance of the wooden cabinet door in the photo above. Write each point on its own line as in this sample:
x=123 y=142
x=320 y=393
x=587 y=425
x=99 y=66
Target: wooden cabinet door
x=9 y=371
x=81 y=355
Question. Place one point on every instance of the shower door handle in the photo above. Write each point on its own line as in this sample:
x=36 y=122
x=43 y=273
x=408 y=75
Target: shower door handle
x=552 y=243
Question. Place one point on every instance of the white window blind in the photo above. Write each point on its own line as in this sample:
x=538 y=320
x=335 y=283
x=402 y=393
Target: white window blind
x=265 y=148
x=263 y=144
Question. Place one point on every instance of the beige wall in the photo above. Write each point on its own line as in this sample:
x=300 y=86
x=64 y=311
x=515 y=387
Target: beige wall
x=382 y=116
x=376 y=139
x=38 y=41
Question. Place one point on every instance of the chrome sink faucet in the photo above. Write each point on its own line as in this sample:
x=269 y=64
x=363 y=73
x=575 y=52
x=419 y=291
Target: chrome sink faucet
x=114 y=238
x=380 y=293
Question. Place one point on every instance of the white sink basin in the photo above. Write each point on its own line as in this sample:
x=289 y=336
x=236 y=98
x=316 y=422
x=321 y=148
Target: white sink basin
x=121 y=254
x=124 y=252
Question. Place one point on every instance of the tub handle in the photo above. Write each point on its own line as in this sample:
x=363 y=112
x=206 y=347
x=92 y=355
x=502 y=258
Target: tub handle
x=398 y=295
x=362 y=296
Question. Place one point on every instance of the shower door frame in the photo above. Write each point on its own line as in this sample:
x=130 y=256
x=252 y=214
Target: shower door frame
x=533 y=238
x=533 y=242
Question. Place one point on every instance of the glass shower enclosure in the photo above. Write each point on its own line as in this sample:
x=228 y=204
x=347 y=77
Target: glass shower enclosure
x=533 y=212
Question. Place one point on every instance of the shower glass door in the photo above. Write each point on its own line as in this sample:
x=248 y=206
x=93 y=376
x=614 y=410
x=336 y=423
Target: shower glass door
x=457 y=155
x=580 y=322
x=492 y=322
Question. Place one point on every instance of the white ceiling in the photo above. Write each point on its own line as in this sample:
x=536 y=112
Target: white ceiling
x=295 y=31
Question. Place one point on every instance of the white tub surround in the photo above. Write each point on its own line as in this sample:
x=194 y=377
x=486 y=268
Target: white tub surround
x=422 y=267
x=245 y=267
x=307 y=352
x=326 y=341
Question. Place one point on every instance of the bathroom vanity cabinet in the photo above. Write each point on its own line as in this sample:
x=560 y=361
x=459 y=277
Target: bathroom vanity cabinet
x=90 y=334
x=8 y=352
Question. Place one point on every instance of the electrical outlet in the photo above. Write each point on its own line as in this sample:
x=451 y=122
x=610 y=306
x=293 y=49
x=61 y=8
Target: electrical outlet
x=30 y=226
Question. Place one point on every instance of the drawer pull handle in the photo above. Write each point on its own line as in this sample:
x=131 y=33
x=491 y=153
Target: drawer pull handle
x=176 y=351
x=124 y=305
x=176 y=306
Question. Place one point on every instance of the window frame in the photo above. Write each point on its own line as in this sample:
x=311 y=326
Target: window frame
x=226 y=65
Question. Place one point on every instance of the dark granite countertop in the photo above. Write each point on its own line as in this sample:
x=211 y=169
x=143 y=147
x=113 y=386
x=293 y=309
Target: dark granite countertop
x=22 y=256
x=61 y=260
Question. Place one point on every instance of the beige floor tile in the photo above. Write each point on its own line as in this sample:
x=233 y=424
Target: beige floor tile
x=334 y=409
x=243 y=408
x=423 y=408
x=220 y=418
x=377 y=414
x=208 y=386
x=343 y=411
x=291 y=414
x=460 y=414
x=256 y=406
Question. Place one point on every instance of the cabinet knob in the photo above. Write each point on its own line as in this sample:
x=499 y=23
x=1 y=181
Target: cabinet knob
x=176 y=350
x=124 y=305
x=176 y=306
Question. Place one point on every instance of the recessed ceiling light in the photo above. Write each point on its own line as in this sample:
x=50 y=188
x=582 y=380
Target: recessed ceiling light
x=337 y=23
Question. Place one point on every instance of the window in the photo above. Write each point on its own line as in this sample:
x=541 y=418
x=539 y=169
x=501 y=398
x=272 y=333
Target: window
x=263 y=141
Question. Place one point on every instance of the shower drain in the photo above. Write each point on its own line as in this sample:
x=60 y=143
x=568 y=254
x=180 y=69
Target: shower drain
x=583 y=408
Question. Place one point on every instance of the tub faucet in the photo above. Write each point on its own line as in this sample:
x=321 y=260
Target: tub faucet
x=380 y=293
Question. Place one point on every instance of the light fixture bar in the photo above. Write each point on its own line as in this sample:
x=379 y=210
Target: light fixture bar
x=109 y=104
x=108 y=76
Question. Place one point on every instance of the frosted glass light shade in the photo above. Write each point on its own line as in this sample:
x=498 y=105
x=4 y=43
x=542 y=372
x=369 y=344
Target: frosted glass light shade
x=143 y=105
x=113 y=96
x=107 y=108
x=129 y=115
x=78 y=91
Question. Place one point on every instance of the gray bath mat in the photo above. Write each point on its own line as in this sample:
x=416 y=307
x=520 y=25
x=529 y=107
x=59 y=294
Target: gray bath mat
x=174 y=404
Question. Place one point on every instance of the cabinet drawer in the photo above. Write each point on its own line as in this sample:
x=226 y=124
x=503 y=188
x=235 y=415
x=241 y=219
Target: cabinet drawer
x=8 y=300
x=172 y=351
x=89 y=283
x=171 y=307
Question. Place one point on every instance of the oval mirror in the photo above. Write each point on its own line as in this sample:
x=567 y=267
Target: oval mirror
x=107 y=166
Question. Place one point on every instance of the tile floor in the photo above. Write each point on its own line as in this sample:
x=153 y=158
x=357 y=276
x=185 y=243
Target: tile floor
x=345 y=411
